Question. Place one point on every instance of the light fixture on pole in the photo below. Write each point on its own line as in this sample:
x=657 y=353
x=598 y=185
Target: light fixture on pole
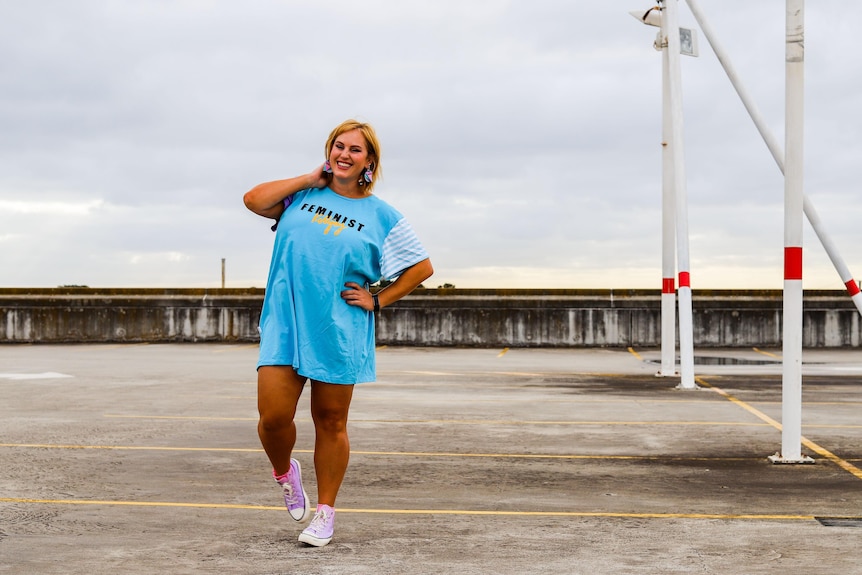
x=674 y=201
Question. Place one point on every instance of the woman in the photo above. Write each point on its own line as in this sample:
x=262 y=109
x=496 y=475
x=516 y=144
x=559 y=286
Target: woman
x=333 y=239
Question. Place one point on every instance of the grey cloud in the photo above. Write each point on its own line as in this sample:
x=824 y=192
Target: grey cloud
x=515 y=135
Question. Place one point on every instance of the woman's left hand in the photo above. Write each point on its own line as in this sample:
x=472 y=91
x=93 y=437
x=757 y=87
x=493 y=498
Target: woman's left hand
x=356 y=295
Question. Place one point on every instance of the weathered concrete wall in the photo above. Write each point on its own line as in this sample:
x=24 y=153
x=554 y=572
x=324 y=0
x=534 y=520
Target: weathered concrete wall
x=441 y=317
x=523 y=318
x=128 y=315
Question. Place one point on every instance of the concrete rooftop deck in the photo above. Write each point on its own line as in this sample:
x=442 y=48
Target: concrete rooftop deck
x=144 y=459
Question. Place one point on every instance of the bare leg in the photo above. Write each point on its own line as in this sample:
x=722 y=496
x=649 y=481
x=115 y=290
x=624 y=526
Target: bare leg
x=329 y=406
x=278 y=391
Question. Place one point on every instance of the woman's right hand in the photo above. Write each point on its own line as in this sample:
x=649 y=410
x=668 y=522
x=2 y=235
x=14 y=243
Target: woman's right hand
x=318 y=177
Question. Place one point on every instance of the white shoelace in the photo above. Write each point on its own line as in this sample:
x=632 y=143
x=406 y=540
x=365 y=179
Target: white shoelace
x=289 y=495
x=318 y=523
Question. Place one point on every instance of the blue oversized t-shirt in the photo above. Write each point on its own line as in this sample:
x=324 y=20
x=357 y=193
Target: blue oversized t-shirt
x=324 y=240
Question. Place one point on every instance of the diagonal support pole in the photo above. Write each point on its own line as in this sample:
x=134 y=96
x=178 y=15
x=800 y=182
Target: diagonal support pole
x=778 y=155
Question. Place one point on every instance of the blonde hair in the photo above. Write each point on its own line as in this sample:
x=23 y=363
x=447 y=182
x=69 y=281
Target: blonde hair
x=371 y=141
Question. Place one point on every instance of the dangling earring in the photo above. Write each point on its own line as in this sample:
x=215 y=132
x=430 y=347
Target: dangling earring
x=368 y=175
x=327 y=167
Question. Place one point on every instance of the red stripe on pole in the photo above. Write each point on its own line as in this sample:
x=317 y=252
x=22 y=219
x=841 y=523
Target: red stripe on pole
x=793 y=263
x=852 y=287
x=667 y=285
x=684 y=280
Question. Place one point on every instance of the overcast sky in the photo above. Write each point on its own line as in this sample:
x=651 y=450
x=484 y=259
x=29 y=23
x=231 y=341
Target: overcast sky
x=520 y=138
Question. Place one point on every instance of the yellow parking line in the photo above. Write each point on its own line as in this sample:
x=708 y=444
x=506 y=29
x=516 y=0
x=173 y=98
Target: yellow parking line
x=503 y=352
x=634 y=515
x=842 y=463
x=139 y=447
x=390 y=373
x=703 y=400
x=665 y=458
x=186 y=417
x=392 y=400
x=766 y=353
x=554 y=422
x=767 y=421
x=459 y=421
x=548 y=456
x=137 y=503
x=569 y=456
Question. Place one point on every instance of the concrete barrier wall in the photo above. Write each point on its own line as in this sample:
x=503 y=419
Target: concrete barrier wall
x=441 y=317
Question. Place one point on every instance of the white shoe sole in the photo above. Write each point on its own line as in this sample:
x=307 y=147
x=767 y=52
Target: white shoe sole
x=312 y=540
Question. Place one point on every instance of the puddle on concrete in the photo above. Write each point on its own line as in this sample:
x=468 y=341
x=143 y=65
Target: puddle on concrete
x=840 y=521
x=706 y=360
x=709 y=360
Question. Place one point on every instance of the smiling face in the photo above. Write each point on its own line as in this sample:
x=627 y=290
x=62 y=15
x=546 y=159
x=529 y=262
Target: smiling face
x=349 y=156
x=350 y=149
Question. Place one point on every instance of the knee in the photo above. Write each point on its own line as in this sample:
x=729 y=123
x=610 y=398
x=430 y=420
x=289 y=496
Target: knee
x=331 y=422
x=273 y=421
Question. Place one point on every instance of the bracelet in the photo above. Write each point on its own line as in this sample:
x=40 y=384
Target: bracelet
x=376 y=303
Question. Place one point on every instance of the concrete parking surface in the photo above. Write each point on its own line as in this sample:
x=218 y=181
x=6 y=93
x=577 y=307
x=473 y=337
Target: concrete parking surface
x=142 y=459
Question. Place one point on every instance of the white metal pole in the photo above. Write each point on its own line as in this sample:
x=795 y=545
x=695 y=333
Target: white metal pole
x=791 y=401
x=778 y=154
x=686 y=343
x=668 y=238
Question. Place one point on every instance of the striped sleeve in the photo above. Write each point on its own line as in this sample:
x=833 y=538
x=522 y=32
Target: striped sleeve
x=401 y=250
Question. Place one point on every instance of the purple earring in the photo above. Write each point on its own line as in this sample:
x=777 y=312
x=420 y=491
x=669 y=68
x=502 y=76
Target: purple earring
x=368 y=176
x=327 y=167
